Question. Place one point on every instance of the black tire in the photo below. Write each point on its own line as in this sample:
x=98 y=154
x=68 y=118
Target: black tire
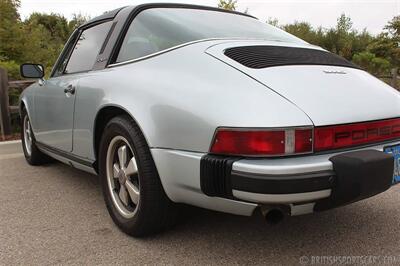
x=35 y=157
x=155 y=212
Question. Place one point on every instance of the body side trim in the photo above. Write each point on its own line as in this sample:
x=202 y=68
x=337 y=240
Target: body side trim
x=66 y=155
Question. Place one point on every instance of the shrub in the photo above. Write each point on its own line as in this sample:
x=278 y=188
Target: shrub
x=12 y=68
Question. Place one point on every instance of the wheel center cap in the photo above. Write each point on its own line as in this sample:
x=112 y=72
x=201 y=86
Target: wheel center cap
x=122 y=177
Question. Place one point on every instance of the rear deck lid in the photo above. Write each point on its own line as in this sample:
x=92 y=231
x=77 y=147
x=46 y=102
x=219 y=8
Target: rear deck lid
x=329 y=89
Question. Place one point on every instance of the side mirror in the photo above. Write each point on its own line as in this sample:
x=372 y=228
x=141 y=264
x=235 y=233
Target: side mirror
x=32 y=71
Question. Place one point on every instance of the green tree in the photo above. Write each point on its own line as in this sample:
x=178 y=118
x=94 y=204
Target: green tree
x=383 y=46
x=341 y=37
x=361 y=41
x=375 y=65
x=387 y=44
x=227 y=4
x=77 y=20
x=273 y=21
x=40 y=38
x=393 y=27
x=12 y=68
x=40 y=47
x=47 y=36
x=11 y=33
x=304 y=31
x=344 y=24
x=345 y=41
x=56 y=25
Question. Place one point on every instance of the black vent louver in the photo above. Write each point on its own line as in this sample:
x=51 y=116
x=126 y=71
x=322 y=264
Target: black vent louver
x=215 y=175
x=269 y=56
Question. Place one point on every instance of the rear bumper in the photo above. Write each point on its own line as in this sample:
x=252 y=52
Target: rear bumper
x=234 y=185
x=305 y=184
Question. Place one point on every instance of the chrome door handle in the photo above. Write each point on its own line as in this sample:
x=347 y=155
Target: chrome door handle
x=70 y=89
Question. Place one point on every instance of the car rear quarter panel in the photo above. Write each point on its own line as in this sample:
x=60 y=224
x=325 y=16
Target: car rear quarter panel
x=178 y=99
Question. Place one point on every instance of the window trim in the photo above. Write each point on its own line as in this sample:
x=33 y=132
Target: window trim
x=71 y=43
x=64 y=54
x=171 y=49
x=140 y=8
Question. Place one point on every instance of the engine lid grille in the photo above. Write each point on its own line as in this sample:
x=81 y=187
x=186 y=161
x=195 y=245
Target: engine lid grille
x=262 y=56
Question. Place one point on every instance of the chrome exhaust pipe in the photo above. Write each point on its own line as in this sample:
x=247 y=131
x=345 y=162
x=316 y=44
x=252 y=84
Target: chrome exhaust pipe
x=274 y=216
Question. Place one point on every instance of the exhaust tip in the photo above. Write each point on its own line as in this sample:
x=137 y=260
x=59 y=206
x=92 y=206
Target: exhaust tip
x=274 y=216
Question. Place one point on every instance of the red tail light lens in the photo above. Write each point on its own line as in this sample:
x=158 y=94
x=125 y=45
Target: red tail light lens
x=303 y=142
x=262 y=142
x=247 y=142
x=345 y=136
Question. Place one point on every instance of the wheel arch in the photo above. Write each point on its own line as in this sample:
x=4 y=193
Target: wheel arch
x=22 y=105
x=103 y=116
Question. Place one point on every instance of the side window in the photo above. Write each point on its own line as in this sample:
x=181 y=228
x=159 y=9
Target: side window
x=62 y=61
x=87 y=48
x=146 y=35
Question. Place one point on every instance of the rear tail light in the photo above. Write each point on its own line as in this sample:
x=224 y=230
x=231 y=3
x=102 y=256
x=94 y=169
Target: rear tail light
x=247 y=142
x=346 y=136
x=291 y=141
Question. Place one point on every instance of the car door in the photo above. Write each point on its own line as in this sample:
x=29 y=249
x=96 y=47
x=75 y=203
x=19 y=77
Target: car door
x=55 y=97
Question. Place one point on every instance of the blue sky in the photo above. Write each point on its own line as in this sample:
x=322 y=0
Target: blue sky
x=370 y=14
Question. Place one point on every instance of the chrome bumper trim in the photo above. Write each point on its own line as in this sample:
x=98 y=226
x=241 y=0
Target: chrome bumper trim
x=295 y=165
x=281 y=198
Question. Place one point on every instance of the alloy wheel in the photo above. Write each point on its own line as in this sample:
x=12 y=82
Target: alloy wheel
x=123 y=177
x=27 y=135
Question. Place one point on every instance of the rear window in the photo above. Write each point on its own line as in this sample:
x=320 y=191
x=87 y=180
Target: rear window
x=154 y=30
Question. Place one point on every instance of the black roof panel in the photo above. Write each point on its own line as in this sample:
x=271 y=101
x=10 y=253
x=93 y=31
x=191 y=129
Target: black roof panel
x=111 y=14
x=107 y=15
